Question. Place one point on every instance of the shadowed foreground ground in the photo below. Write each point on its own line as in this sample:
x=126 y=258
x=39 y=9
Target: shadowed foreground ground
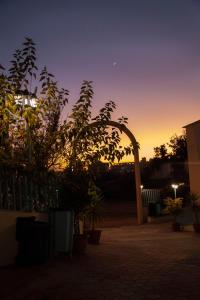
x=132 y=262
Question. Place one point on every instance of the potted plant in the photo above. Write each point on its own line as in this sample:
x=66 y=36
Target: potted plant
x=174 y=207
x=194 y=200
x=93 y=213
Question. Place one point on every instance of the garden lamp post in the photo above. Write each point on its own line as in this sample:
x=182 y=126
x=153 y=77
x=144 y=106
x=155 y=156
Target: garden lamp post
x=175 y=186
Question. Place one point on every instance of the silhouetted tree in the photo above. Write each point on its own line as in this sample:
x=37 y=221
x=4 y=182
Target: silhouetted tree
x=34 y=136
x=174 y=153
x=161 y=152
x=178 y=158
x=178 y=146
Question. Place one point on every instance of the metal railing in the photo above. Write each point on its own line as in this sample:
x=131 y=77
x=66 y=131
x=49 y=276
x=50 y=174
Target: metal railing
x=22 y=190
x=150 y=196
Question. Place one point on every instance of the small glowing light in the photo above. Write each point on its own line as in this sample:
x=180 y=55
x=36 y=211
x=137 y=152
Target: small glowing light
x=141 y=187
x=175 y=186
x=26 y=101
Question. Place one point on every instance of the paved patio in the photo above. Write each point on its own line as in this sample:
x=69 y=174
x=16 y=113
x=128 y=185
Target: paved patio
x=132 y=262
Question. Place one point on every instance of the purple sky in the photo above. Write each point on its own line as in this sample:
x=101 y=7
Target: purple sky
x=143 y=54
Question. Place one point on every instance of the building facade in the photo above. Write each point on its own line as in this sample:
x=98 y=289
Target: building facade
x=193 y=147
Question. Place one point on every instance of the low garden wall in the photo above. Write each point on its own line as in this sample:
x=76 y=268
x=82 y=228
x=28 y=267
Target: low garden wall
x=8 y=243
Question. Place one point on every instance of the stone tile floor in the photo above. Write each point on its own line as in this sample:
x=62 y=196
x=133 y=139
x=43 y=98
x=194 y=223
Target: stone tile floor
x=143 y=262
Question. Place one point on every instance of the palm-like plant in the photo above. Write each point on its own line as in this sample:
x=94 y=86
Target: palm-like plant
x=173 y=206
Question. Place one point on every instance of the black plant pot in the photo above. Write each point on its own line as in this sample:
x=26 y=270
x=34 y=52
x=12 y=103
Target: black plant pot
x=79 y=243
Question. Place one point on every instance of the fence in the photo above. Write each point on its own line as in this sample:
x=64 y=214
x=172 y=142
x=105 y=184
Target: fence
x=21 y=190
x=150 y=196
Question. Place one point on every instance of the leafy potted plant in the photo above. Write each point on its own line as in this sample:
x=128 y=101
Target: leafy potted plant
x=174 y=207
x=93 y=213
x=194 y=200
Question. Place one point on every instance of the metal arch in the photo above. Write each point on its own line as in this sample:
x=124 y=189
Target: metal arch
x=124 y=129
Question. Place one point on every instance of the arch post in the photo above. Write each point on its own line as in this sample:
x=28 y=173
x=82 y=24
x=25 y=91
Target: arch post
x=140 y=218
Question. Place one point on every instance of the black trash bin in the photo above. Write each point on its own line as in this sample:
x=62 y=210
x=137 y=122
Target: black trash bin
x=152 y=210
x=33 y=238
x=22 y=227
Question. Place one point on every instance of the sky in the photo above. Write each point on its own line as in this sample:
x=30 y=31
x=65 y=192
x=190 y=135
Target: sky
x=142 y=54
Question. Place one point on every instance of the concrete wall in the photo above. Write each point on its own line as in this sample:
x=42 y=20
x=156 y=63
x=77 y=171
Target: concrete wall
x=8 y=243
x=193 y=145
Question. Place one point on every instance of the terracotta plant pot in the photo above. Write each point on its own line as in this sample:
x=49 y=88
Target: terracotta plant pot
x=196 y=228
x=79 y=243
x=176 y=226
x=94 y=236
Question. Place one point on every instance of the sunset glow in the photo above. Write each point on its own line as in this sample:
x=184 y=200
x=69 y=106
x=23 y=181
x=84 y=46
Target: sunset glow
x=144 y=55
